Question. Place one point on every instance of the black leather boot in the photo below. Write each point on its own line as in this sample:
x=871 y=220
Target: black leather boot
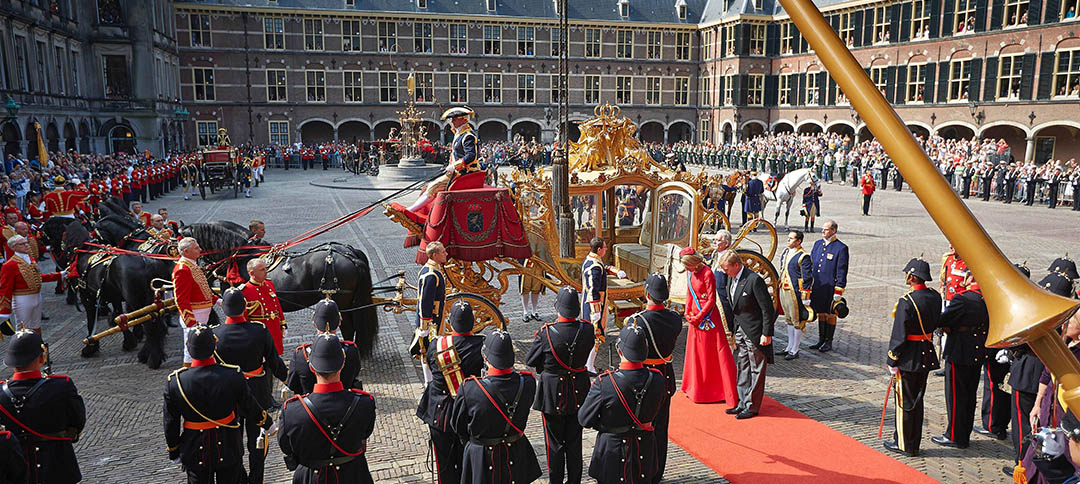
x=830 y=330
x=820 y=336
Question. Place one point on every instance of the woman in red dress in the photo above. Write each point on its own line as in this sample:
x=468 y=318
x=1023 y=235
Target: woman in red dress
x=709 y=369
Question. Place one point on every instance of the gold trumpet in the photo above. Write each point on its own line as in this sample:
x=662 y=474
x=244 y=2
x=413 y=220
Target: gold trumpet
x=1020 y=311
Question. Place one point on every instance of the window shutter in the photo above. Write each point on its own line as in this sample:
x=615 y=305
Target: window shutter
x=742 y=46
x=823 y=92
x=723 y=42
x=905 y=22
x=900 y=96
x=834 y=21
x=935 y=17
x=975 y=73
x=894 y=26
x=772 y=39
x=990 y=89
x=793 y=90
x=1053 y=11
x=742 y=83
x=943 y=82
x=929 y=88
x=800 y=89
x=1046 y=75
x=771 y=83
x=1034 y=12
x=868 y=27
x=857 y=21
x=980 y=16
x=1027 y=76
x=796 y=40
x=947 y=18
x=830 y=91
x=997 y=10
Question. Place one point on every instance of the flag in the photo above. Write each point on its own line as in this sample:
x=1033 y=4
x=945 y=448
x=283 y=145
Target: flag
x=43 y=154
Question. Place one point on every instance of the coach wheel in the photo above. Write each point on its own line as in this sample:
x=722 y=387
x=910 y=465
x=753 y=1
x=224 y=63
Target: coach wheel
x=485 y=312
x=764 y=268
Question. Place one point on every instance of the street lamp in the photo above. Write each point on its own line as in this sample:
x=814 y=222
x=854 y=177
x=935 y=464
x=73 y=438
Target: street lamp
x=12 y=108
x=182 y=114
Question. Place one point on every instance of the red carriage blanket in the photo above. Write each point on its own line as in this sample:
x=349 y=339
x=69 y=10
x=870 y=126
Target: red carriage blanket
x=474 y=225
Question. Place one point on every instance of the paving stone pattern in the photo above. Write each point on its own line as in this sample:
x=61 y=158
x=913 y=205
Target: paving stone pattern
x=844 y=389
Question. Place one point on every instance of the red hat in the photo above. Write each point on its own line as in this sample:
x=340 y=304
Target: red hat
x=10 y=209
x=687 y=251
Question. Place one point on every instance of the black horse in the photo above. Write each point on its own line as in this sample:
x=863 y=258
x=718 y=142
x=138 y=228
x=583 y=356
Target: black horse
x=120 y=280
x=303 y=278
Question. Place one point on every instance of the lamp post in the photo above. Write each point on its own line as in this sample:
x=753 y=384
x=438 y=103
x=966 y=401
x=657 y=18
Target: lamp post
x=12 y=108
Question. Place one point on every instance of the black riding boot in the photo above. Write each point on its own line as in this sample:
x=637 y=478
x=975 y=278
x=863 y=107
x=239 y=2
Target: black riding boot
x=820 y=335
x=830 y=330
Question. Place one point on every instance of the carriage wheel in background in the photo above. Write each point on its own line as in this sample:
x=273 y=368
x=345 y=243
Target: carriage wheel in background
x=485 y=311
x=756 y=262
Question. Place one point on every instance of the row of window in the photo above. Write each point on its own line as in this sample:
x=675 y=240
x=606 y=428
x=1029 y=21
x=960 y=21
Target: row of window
x=206 y=132
x=884 y=23
x=315 y=87
x=649 y=45
x=55 y=72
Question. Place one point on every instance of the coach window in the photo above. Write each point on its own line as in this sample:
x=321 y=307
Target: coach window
x=583 y=209
x=674 y=221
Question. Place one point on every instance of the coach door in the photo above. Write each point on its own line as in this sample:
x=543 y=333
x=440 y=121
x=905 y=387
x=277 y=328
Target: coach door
x=674 y=218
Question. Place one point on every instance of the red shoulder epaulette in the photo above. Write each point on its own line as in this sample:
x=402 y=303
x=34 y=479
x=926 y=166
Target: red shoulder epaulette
x=5 y=434
x=60 y=376
x=294 y=397
x=347 y=342
x=357 y=390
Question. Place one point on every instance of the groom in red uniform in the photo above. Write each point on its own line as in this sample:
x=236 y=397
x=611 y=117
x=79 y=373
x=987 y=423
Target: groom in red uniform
x=194 y=299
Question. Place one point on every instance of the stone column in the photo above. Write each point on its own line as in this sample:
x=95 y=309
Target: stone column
x=1029 y=151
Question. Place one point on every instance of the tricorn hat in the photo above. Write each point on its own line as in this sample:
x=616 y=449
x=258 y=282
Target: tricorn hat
x=840 y=308
x=458 y=111
x=918 y=268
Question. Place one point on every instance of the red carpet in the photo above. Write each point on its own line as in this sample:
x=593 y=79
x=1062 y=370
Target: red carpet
x=780 y=445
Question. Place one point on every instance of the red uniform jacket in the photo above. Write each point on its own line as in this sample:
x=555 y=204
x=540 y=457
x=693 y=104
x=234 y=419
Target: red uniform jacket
x=191 y=290
x=144 y=217
x=21 y=278
x=953 y=272
x=868 y=185
x=263 y=307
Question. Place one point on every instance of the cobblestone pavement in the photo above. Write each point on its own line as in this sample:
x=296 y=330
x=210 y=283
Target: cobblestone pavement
x=844 y=389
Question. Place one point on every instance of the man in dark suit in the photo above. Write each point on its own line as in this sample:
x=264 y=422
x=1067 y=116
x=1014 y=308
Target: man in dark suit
x=753 y=326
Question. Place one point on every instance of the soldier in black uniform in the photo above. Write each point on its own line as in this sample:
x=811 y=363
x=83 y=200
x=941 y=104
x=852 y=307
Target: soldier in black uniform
x=912 y=355
x=452 y=359
x=12 y=458
x=1024 y=372
x=621 y=406
x=662 y=328
x=490 y=415
x=250 y=347
x=301 y=380
x=324 y=433
x=211 y=400
x=559 y=353
x=966 y=322
x=44 y=412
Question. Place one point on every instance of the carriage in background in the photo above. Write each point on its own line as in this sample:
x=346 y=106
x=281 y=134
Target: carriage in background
x=645 y=211
x=219 y=168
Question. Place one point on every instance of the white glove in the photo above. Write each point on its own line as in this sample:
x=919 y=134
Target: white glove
x=4 y=317
x=893 y=370
x=450 y=168
x=260 y=443
x=63 y=274
x=1053 y=442
x=272 y=431
x=175 y=461
x=284 y=394
x=836 y=297
x=424 y=333
x=1002 y=356
x=284 y=333
x=806 y=302
x=621 y=274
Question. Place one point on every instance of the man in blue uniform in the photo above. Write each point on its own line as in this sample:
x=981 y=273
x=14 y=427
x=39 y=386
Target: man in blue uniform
x=249 y=347
x=325 y=433
x=490 y=414
x=203 y=400
x=796 y=282
x=431 y=297
x=44 y=412
x=830 y=258
x=662 y=328
x=452 y=358
x=594 y=293
x=301 y=379
x=559 y=352
x=754 y=189
x=621 y=406
x=912 y=355
x=463 y=158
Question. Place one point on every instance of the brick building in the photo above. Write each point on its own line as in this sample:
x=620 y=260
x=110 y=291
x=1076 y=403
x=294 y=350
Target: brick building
x=97 y=75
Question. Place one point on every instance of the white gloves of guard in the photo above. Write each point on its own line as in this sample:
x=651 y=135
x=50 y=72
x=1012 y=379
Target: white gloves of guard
x=893 y=370
x=1002 y=356
x=621 y=274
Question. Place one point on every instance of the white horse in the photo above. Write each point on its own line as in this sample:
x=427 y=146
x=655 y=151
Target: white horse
x=785 y=191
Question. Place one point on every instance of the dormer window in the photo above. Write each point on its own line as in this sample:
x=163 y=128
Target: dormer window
x=421 y=4
x=556 y=2
x=680 y=7
x=624 y=8
x=490 y=5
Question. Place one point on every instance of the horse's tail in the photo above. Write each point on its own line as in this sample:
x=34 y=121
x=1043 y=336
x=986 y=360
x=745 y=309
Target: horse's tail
x=366 y=320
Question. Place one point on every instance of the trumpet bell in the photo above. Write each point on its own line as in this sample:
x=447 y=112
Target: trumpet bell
x=1021 y=311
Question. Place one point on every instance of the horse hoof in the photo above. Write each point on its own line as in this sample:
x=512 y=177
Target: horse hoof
x=129 y=345
x=154 y=364
x=90 y=350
